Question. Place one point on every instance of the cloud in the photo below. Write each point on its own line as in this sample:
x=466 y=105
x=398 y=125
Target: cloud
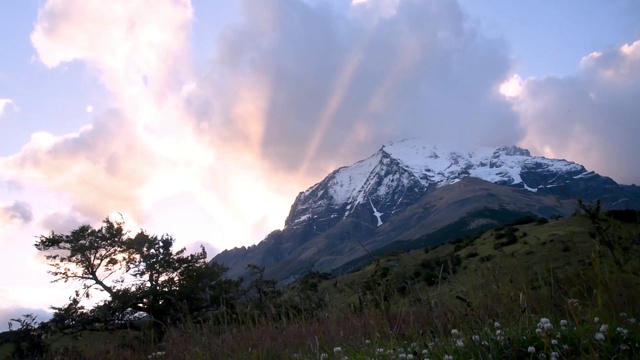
x=4 y=104
x=101 y=167
x=590 y=117
x=18 y=211
x=131 y=43
x=312 y=86
x=144 y=157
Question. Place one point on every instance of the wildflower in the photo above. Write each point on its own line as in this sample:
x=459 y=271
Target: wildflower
x=545 y=324
x=475 y=338
x=484 y=343
x=324 y=356
x=425 y=352
x=402 y=356
x=156 y=354
x=596 y=319
x=604 y=328
x=337 y=350
x=555 y=356
x=447 y=357
x=632 y=320
x=599 y=336
x=573 y=302
x=624 y=347
x=379 y=351
x=459 y=343
x=622 y=331
x=367 y=342
x=410 y=357
x=499 y=332
x=554 y=342
x=531 y=350
x=539 y=331
x=563 y=322
x=496 y=325
x=623 y=315
x=455 y=332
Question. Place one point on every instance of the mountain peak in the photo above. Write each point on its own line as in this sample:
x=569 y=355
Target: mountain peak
x=401 y=171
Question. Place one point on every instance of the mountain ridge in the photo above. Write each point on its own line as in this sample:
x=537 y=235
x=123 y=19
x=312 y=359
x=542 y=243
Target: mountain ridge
x=393 y=195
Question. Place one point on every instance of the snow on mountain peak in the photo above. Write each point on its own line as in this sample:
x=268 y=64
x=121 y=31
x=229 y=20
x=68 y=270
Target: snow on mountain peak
x=409 y=168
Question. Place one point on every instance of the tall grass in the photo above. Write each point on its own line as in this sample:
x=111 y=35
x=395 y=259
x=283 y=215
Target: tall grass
x=530 y=300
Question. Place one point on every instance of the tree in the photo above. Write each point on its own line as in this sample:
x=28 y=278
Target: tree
x=139 y=274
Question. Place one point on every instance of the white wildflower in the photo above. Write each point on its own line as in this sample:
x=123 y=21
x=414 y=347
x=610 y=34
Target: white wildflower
x=545 y=324
x=484 y=343
x=539 y=331
x=402 y=356
x=622 y=331
x=604 y=328
x=459 y=343
x=455 y=332
x=337 y=350
x=324 y=356
x=554 y=342
x=447 y=357
x=499 y=332
x=596 y=319
x=410 y=357
x=367 y=342
x=496 y=324
x=475 y=338
x=623 y=315
x=563 y=322
x=599 y=336
x=632 y=320
x=379 y=351
x=425 y=352
x=531 y=350
x=555 y=356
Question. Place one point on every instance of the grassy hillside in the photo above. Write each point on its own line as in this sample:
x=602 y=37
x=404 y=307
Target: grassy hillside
x=566 y=288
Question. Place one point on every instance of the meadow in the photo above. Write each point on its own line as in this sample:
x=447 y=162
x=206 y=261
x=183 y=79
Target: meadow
x=566 y=288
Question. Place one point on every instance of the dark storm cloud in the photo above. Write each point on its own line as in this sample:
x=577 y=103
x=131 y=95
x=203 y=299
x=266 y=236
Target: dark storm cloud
x=18 y=211
x=338 y=82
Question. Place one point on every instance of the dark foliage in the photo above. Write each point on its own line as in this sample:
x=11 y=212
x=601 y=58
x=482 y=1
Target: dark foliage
x=141 y=275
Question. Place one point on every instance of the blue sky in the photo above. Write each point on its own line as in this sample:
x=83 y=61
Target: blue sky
x=205 y=119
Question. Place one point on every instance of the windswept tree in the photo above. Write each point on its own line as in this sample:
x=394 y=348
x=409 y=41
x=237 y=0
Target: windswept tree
x=138 y=274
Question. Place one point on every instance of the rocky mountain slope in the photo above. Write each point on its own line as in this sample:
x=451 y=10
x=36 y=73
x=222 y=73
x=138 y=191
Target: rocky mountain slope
x=407 y=191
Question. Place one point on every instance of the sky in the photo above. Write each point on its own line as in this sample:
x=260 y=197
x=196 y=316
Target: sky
x=205 y=119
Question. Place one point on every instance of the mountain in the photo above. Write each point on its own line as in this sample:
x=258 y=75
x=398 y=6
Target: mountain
x=410 y=195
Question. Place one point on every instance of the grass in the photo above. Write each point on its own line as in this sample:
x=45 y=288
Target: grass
x=555 y=293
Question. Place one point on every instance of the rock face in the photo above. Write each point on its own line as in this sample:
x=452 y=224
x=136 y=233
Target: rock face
x=371 y=200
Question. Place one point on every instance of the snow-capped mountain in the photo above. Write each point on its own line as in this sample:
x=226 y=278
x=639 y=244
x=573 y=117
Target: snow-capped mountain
x=401 y=172
x=411 y=194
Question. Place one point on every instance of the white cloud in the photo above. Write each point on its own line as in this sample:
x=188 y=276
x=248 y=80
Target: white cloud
x=590 y=117
x=144 y=157
x=511 y=87
x=4 y=104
